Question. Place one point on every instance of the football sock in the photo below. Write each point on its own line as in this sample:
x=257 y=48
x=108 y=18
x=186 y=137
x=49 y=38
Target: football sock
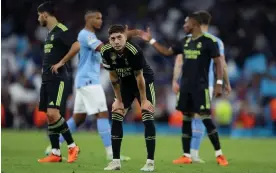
x=116 y=134
x=105 y=133
x=186 y=135
x=64 y=130
x=150 y=133
x=197 y=136
x=212 y=132
x=53 y=133
x=72 y=127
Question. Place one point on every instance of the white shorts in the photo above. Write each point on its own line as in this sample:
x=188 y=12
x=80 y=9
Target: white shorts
x=211 y=90
x=90 y=100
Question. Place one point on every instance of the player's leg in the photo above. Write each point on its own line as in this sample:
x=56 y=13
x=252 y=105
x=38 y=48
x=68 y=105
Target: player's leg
x=184 y=105
x=198 y=133
x=95 y=102
x=150 y=132
x=203 y=106
x=56 y=124
x=198 y=129
x=76 y=120
x=117 y=129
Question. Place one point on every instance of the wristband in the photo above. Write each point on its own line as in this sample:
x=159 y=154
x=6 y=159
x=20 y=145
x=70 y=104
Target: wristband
x=219 y=81
x=152 y=41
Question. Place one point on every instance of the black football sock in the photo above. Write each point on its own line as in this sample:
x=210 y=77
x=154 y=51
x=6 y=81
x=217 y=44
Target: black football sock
x=66 y=133
x=150 y=132
x=212 y=131
x=116 y=134
x=186 y=134
x=53 y=133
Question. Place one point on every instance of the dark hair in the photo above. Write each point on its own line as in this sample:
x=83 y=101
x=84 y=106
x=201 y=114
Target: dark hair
x=92 y=11
x=48 y=7
x=205 y=17
x=116 y=28
x=196 y=17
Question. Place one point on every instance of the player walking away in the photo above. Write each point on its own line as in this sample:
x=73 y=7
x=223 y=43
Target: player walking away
x=197 y=125
x=131 y=78
x=53 y=92
x=194 y=95
x=90 y=98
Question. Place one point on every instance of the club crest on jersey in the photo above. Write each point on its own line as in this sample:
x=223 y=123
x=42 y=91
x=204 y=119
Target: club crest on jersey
x=52 y=37
x=199 y=45
x=113 y=57
x=126 y=62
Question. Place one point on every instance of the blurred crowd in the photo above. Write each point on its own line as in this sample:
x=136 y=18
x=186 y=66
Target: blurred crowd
x=247 y=29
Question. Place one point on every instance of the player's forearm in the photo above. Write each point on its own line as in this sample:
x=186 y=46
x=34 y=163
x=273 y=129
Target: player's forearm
x=115 y=81
x=219 y=68
x=160 y=48
x=133 y=33
x=72 y=52
x=225 y=74
x=177 y=67
x=141 y=86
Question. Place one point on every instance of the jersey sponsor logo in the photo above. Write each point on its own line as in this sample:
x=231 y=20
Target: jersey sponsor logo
x=52 y=37
x=191 y=54
x=124 y=72
x=48 y=48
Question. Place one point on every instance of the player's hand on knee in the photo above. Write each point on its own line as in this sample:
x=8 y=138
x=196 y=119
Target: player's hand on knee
x=147 y=105
x=175 y=87
x=218 y=90
x=118 y=106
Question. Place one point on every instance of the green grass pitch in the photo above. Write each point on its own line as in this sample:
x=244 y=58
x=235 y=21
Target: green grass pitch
x=21 y=149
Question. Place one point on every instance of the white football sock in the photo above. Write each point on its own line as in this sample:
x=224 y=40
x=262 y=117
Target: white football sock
x=56 y=152
x=72 y=145
x=218 y=153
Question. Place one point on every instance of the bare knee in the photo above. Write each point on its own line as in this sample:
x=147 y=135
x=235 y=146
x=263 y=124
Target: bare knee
x=53 y=115
x=103 y=115
x=79 y=118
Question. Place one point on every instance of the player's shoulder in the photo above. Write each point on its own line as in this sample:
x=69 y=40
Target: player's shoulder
x=133 y=48
x=87 y=35
x=210 y=37
x=106 y=48
x=62 y=28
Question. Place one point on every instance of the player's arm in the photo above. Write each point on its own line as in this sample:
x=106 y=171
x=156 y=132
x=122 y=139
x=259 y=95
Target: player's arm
x=177 y=67
x=176 y=72
x=141 y=84
x=68 y=39
x=160 y=48
x=225 y=69
x=75 y=48
x=115 y=81
x=215 y=54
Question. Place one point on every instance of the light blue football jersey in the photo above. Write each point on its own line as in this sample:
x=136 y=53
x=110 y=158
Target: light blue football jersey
x=88 y=72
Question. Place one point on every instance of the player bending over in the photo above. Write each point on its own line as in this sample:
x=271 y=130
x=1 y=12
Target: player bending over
x=197 y=125
x=90 y=97
x=53 y=92
x=194 y=97
x=131 y=78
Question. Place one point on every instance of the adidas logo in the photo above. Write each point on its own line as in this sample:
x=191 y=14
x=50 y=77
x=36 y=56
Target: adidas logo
x=51 y=103
x=202 y=107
